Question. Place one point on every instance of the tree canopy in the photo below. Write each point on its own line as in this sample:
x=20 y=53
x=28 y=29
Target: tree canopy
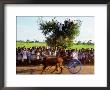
x=60 y=34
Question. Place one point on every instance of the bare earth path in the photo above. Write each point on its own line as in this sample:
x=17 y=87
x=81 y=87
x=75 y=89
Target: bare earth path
x=87 y=69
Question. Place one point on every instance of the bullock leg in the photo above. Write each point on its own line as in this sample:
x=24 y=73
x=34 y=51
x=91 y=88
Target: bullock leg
x=59 y=67
x=54 y=69
x=44 y=67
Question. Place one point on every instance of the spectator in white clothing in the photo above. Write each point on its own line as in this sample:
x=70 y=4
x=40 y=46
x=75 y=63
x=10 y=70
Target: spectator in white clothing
x=24 y=53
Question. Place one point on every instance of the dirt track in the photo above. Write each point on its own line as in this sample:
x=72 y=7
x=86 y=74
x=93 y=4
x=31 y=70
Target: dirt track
x=87 y=69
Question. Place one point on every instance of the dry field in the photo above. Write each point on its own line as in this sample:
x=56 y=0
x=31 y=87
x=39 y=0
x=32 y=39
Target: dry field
x=27 y=70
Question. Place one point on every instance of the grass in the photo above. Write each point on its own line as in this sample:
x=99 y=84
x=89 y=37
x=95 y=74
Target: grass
x=28 y=45
x=82 y=46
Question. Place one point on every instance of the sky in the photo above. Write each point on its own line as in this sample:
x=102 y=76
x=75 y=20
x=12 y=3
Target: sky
x=28 y=27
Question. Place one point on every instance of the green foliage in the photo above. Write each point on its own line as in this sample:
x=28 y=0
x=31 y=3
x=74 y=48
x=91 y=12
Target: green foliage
x=36 y=41
x=60 y=34
x=28 y=41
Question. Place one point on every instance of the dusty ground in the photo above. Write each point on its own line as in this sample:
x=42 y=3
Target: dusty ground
x=87 y=69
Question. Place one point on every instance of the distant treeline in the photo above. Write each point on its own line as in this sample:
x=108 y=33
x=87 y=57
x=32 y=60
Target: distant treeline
x=28 y=41
x=90 y=42
x=76 y=43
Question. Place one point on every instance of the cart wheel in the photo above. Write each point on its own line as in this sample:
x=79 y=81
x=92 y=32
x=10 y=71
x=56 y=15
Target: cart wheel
x=75 y=66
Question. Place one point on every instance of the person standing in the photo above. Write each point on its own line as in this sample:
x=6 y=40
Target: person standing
x=24 y=53
x=19 y=57
x=29 y=55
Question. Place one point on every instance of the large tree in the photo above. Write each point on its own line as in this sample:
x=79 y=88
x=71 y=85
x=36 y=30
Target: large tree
x=60 y=34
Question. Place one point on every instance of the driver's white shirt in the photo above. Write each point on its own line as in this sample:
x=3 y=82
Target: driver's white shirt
x=74 y=55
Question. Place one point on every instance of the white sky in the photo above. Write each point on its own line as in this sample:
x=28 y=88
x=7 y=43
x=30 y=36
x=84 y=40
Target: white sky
x=28 y=27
